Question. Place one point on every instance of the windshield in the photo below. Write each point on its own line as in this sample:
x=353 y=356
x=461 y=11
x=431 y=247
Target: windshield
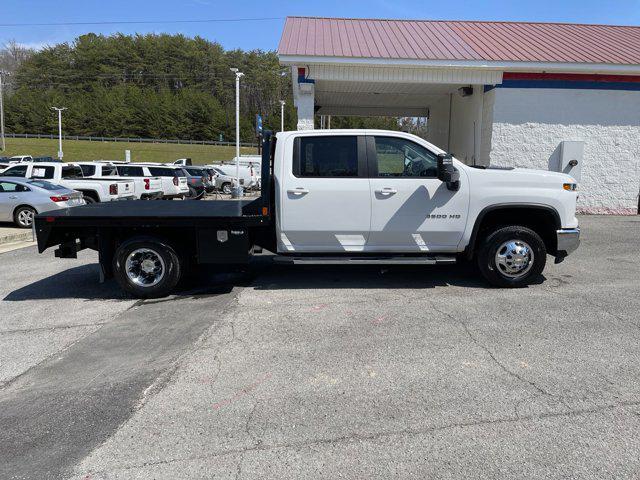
x=46 y=185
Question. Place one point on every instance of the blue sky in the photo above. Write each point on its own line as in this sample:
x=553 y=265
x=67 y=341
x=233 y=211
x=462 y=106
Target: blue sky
x=266 y=34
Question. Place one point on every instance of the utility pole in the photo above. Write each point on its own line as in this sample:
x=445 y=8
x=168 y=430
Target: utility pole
x=4 y=146
x=59 y=110
x=282 y=115
x=238 y=189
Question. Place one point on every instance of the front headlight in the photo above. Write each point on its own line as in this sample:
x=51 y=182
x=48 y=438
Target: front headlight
x=570 y=187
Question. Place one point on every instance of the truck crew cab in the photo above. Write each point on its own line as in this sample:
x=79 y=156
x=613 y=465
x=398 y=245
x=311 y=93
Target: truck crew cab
x=337 y=196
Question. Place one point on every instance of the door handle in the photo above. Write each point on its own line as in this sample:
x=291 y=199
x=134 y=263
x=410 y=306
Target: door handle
x=13 y=197
x=298 y=191
x=387 y=191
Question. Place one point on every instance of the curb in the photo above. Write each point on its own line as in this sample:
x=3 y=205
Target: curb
x=20 y=236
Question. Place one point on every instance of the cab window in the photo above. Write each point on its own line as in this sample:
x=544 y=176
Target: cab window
x=398 y=157
x=128 y=171
x=71 y=171
x=326 y=156
x=88 y=170
x=17 y=171
x=42 y=172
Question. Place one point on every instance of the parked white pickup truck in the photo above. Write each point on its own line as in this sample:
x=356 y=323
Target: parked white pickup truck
x=70 y=175
x=340 y=197
x=146 y=187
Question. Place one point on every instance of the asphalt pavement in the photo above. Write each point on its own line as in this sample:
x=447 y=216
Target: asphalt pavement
x=332 y=372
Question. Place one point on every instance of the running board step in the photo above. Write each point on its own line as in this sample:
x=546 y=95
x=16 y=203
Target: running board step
x=341 y=260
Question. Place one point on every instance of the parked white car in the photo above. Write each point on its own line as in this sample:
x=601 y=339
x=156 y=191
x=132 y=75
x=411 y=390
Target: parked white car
x=70 y=175
x=222 y=181
x=249 y=176
x=21 y=199
x=147 y=187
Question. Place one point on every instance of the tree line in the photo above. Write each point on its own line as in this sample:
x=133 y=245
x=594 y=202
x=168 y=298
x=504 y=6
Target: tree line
x=151 y=85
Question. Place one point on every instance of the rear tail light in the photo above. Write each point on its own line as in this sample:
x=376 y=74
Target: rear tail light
x=59 y=198
x=175 y=181
x=193 y=180
x=113 y=189
x=147 y=184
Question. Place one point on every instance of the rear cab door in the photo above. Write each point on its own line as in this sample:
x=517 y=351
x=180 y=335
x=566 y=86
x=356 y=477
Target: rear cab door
x=323 y=195
x=411 y=209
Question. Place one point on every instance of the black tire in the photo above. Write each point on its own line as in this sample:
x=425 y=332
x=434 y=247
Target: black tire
x=89 y=199
x=226 y=188
x=23 y=216
x=170 y=261
x=504 y=276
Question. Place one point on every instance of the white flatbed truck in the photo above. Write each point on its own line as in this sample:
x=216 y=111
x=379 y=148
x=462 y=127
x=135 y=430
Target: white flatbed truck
x=337 y=196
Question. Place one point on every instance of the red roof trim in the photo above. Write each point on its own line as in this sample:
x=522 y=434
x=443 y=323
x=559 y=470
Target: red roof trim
x=570 y=77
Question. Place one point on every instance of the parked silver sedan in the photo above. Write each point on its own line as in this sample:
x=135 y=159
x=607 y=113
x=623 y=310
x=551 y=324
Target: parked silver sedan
x=22 y=198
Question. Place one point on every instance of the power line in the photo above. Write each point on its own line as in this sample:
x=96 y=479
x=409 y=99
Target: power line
x=140 y=22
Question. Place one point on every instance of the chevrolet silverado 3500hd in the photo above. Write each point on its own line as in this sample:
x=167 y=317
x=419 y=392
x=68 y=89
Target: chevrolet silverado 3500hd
x=337 y=197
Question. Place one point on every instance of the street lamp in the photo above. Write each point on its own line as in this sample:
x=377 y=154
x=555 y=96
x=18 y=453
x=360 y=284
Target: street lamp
x=59 y=110
x=2 y=145
x=282 y=115
x=238 y=189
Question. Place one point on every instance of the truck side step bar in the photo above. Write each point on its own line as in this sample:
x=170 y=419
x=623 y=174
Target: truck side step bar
x=342 y=260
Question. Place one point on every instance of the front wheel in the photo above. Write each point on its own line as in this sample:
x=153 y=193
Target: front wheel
x=226 y=188
x=147 y=267
x=512 y=257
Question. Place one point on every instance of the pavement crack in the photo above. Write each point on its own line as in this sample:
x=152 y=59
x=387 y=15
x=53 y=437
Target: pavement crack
x=360 y=437
x=491 y=355
x=52 y=328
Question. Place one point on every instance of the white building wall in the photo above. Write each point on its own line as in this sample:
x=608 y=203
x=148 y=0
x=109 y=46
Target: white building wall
x=488 y=101
x=529 y=124
x=438 y=123
x=466 y=126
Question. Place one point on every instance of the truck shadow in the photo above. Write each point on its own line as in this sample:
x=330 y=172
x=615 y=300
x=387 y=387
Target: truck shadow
x=77 y=282
x=302 y=277
x=261 y=274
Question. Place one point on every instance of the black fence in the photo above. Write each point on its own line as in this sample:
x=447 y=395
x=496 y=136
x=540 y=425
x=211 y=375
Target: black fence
x=127 y=139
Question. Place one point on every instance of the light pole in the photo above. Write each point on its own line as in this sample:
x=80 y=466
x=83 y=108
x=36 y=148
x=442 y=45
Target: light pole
x=238 y=189
x=4 y=146
x=282 y=115
x=59 y=110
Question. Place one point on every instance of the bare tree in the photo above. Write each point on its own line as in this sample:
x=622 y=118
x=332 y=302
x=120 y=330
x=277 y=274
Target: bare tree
x=12 y=54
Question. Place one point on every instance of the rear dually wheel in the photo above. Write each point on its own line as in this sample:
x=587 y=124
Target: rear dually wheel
x=147 y=267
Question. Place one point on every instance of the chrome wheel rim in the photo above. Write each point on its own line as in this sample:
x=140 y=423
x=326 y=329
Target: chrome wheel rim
x=145 y=267
x=514 y=258
x=226 y=188
x=25 y=217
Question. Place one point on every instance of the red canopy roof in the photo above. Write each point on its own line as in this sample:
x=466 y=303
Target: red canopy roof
x=458 y=40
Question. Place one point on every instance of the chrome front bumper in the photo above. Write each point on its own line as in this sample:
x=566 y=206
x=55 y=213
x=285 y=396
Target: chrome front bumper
x=568 y=241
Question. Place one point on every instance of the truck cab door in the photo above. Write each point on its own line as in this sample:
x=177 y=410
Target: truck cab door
x=411 y=210
x=324 y=203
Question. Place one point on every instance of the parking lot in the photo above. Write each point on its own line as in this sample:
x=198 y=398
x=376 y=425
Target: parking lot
x=333 y=372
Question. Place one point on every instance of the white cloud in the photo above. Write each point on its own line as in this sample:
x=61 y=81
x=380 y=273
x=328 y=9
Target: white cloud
x=37 y=45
